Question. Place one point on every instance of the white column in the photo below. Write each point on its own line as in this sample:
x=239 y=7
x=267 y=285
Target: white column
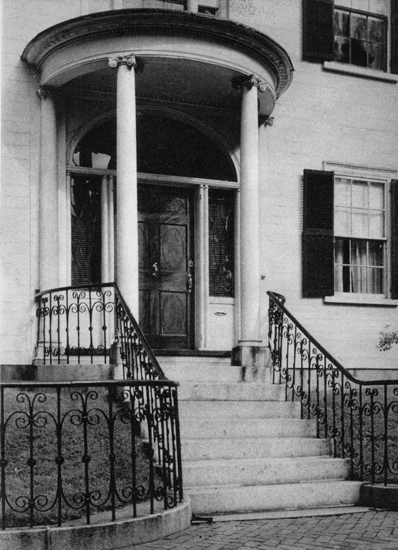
x=48 y=194
x=104 y=231
x=127 y=216
x=249 y=216
x=111 y=219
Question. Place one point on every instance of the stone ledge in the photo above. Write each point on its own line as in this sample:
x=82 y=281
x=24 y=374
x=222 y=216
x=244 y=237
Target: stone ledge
x=380 y=496
x=118 y=535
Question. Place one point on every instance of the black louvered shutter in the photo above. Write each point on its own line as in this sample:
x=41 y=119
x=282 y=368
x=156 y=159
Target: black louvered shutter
x=318 y=39
x=394 y=239
x=394 y=36
x=318 y=249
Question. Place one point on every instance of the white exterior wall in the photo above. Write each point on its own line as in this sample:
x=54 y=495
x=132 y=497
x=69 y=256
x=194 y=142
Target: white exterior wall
x=323 y=116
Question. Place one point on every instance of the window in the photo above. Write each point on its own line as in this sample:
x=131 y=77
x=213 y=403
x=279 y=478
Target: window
x=359 y=236
x=353 y=32
x=350 y=234
x=360 y=37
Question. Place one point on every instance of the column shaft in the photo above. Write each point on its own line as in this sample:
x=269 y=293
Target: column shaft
x=48 y=195
x=249 y=218
x=104 y=231
x=127 y=216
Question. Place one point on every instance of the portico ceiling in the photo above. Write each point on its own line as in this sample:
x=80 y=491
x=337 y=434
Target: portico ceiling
x=177 y=81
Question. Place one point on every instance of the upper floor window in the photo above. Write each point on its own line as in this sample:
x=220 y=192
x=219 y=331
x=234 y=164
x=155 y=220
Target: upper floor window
x=360 y=37
x=363 y=33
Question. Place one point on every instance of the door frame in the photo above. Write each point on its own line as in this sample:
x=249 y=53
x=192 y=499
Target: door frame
x=200 y=188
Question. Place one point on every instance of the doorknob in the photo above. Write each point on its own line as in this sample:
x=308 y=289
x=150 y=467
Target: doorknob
x=189 y=277
x=155 y=270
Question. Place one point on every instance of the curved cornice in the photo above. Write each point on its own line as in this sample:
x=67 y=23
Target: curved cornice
x=154 y=22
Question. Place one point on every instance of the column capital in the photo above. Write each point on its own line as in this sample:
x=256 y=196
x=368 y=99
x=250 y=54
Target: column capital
x=46 y=92
x=248 y=81
x=131 y=61
x=265 y=120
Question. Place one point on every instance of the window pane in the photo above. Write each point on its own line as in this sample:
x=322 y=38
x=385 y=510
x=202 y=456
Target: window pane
x=358 y=252
x=377 y=57
x=342 y=192
x=376 y=254
x=376 y=30
x=358 y=28
x=375 y=280
x=360 y=194
x=376 y=195
x=360 y=223
x=376 y=224
x=341 y=23
x=342 y=221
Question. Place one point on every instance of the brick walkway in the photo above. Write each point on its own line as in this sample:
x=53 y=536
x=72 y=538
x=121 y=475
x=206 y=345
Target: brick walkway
x=372 y=530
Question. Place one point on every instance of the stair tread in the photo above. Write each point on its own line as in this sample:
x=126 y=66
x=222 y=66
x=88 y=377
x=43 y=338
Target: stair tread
x=316 y=482
x=226 y=461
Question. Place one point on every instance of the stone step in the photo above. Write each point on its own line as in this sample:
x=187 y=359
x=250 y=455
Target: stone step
x=239 y=409
x=241 y=391
x=255 y=498
x=203 y=428
x=212 y=372
x=214 y=449
x=258 y=471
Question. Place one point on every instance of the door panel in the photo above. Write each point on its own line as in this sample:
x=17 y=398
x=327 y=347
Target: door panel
x=165 y=247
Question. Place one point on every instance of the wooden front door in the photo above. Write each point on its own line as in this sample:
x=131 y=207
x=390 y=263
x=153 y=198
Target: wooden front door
x=166 y=266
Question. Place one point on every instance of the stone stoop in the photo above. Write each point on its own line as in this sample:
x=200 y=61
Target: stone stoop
x=244 y=449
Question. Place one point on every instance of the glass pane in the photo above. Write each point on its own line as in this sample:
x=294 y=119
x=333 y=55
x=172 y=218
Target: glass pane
x=358 y=252
x=342 y=192
x=341 y=23
x=376 y=30
x=358 y=279
x=377 y=57
x=360 y=223
x=375 y=280
x=358 y=27
x=376 y=254
x=378 y=6
x=376 y=224
x=342 y=221
x=360 y=194
x=376 y=195
x=342 y=49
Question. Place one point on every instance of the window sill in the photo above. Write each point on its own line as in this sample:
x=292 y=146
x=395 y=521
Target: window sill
x=360 y=300
x=336 y=67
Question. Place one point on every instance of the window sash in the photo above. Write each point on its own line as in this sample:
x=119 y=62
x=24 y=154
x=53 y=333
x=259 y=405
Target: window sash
x=358 y=46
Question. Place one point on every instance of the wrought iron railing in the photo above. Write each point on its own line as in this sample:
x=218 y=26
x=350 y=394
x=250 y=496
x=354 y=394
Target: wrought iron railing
x=69 y=450
x=359 y=417
x=92 y=324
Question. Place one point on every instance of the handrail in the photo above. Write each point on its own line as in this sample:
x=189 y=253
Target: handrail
x=92 y=323
x=360 y=417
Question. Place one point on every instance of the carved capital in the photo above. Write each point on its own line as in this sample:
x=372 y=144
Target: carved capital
x=249 y=82
x=129 y=60
x=266 y=120
x=46 y=92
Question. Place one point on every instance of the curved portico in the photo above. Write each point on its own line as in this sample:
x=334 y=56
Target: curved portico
x=224 y=75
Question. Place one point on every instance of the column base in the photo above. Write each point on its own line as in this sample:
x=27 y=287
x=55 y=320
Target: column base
x=254 y=359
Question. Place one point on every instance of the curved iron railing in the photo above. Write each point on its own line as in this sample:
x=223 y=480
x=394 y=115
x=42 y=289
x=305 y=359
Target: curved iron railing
x=92 y=324
x=72 y=449
x=359 y=417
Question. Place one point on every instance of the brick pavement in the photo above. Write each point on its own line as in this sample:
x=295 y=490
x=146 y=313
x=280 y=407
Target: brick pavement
x=371 y=530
